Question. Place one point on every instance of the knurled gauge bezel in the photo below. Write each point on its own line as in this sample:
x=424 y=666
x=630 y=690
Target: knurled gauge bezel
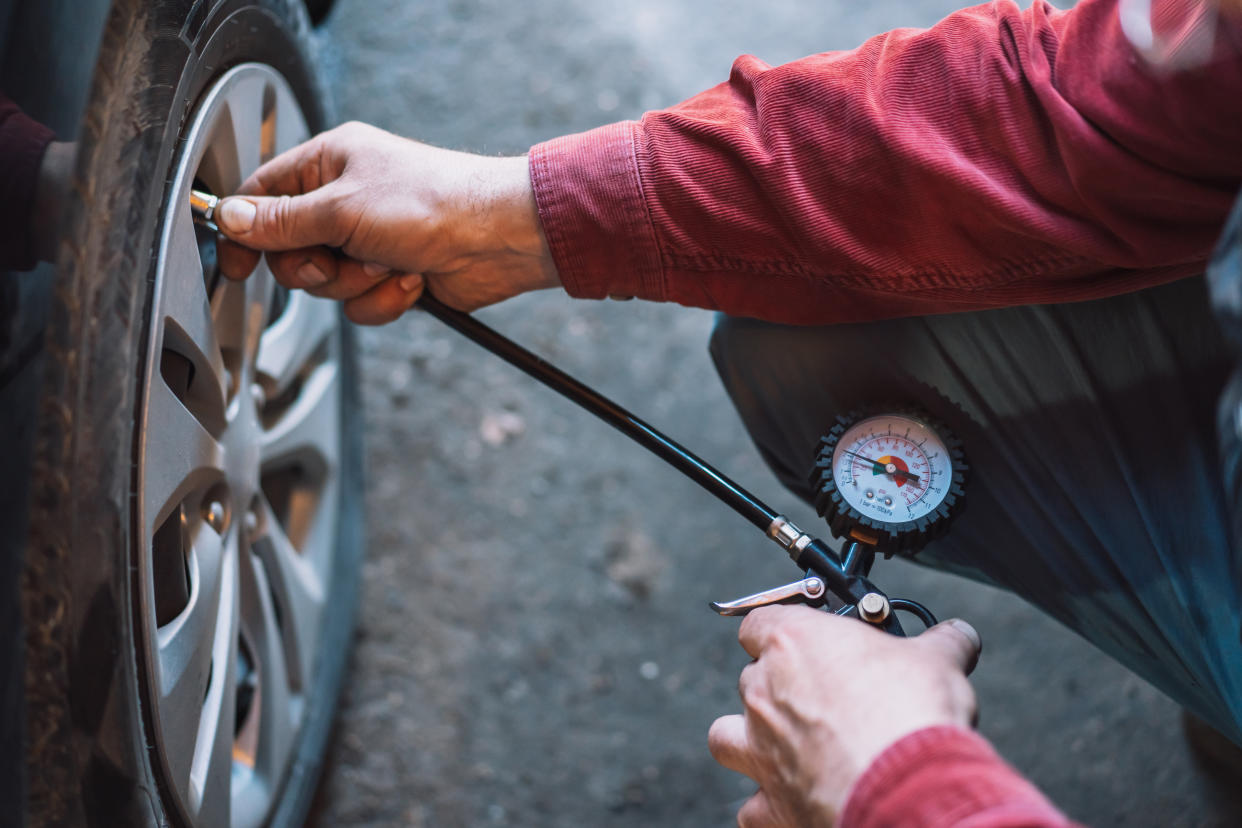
x=889 y=538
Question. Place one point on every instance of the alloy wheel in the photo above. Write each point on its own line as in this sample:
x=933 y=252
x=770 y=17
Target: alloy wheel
x=238 y=457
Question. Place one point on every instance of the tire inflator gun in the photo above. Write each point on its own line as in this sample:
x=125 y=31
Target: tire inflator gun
x=858 y=508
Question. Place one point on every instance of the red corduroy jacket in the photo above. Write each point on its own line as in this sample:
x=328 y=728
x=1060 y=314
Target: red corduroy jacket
x=1004 y=156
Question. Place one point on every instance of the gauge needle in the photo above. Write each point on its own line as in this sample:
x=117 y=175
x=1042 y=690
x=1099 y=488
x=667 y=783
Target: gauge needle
x=889 y=468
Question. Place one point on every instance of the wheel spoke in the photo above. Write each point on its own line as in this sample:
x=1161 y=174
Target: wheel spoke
x=180 y=455
x=308 y=431
x=234 y=150
x=189 y=655
x=228 y=313
x=260 y=288
x=291 y=128
x=240 y=310
x=298 y=588
x=278 y=716
x=212 y=770
x=287 y=345
x=188 y=310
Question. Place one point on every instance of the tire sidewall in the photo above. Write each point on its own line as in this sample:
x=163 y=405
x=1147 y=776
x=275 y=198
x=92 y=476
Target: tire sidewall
x=89 y=724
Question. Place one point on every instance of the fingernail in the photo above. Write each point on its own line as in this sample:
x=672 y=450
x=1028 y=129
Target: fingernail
x=411 y=282
x=236 y=215
x=374 y=269
x=967 y=630
x=310 y=275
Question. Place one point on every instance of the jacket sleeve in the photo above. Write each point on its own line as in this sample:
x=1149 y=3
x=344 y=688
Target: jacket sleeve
x=22 y=144
x=1004 y=156
x=941 y=777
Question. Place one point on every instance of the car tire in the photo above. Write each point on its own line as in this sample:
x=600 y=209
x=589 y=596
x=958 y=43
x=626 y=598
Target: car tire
x=94 y=751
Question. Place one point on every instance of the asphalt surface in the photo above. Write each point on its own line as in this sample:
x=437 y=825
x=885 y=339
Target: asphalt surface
x=534 y=644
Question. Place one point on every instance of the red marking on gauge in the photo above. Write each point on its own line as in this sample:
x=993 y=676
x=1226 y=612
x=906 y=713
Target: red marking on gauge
x=881 y=467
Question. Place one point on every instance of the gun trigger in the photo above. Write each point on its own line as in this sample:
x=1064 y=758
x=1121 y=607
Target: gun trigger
x=809 y=591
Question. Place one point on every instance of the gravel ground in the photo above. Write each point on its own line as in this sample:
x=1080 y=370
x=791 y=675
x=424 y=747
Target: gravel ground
x=534 y=645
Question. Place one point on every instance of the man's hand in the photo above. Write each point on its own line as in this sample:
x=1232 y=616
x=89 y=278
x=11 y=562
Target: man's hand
x=824 y=697
x=361 y=215
x=51 y=196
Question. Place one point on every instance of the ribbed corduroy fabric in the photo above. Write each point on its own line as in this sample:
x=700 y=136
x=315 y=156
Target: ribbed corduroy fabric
x=1002 y=157
x=945 y=776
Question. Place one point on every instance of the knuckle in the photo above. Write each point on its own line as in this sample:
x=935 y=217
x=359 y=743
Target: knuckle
x=963 y=699
x=783 y=638
x=352 y=129
x=339 y=199
x=752 y=811
x=280 y=217
x=750 y=686
x=749 y=621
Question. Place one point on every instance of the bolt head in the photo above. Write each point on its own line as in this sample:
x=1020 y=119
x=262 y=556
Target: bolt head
x=258 y=395
x=873 y=607
x=814 y=588
x=252 y=522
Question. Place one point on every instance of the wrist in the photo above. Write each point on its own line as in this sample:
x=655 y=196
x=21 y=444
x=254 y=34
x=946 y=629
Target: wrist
x=512 y=227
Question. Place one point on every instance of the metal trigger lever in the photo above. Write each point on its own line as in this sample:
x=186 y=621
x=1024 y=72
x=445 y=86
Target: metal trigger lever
x=809 y=591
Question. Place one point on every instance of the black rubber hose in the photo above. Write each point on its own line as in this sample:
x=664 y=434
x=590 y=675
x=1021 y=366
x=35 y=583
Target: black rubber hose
x=701 y=472
x=914 y=608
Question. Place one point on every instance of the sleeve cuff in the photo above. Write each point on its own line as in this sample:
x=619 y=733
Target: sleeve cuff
x=590 y=200
x=945 y=776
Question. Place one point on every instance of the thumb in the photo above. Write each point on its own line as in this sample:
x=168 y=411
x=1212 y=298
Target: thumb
x=956 y=640
x=279 y=222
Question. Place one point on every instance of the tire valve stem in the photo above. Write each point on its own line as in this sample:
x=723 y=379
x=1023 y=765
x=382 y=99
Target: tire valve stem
x=203 y=208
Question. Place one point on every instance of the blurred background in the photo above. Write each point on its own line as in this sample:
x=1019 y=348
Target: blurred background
x=534 y=645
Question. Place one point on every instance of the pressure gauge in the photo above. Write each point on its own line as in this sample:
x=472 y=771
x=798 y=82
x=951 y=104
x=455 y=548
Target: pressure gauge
x=893 y=479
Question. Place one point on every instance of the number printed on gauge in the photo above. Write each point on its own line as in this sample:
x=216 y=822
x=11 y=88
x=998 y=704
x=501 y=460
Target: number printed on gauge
x=892 y=478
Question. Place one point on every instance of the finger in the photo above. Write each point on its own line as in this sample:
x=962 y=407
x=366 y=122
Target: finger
x=757 y=812
x=759 y=626
x=352 y=279
x=295 y=171
x=727 y=742
x=307 y=268
x=235 y=261
x=386 y=301
x=956 y=640
x=283 y=222
x=747 y=680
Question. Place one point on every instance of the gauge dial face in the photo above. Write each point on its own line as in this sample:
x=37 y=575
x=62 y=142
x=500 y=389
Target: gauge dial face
x=892 y=468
